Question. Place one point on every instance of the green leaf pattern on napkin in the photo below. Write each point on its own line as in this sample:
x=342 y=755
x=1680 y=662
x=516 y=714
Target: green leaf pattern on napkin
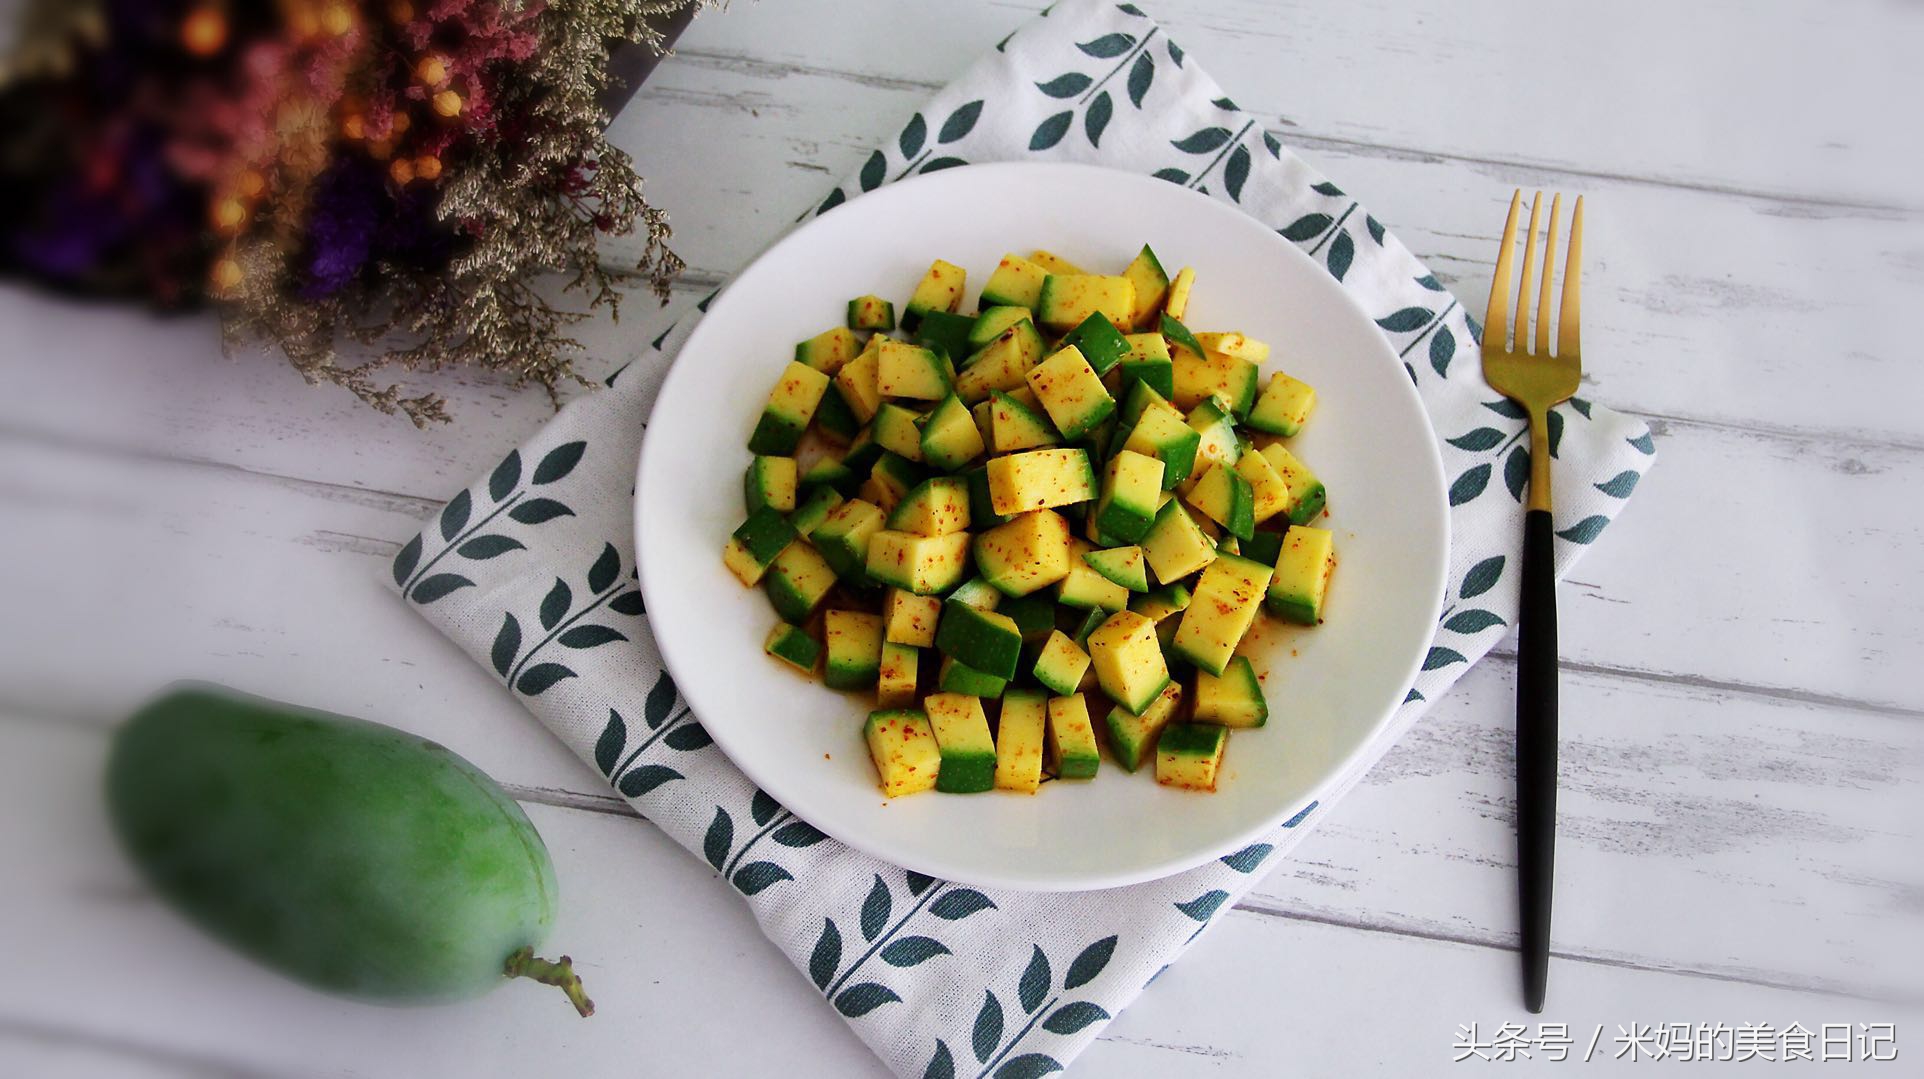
x=532 y=570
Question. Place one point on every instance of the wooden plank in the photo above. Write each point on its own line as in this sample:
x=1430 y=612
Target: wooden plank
x=1445 y=78
x=158 y=570
x=165 y=1000
x=1260 y=997
x=138 y=574
x=1713 y=575
x=1695 y=306
x=144 y=385
x=1726 y=835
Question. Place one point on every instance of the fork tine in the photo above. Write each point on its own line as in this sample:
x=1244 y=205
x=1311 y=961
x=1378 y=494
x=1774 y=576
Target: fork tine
x=1496 y=317
x=1527 y=285
x=1549 y=273
x=1567 y=312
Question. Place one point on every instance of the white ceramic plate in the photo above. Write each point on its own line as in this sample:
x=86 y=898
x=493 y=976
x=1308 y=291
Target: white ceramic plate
x=1330 y=688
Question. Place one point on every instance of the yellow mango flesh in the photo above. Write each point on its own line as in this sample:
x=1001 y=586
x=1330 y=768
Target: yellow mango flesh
x=920 y=564
x=1019 y=742
x=1040 y=479
x=856 y=382
x=910 y=619
x=1272 y=494
x=1221 y=611
x=1003 y=364
x=895 y=683
x=1068 y=299
x=1128 y=660
x=1025 y=554
x=902 y=745
x=1176 y=547
x=1178 y=303
x=1187 y=767
x=940 y=289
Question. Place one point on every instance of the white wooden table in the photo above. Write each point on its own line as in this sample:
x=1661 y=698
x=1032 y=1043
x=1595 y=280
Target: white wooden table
x=1743 y=722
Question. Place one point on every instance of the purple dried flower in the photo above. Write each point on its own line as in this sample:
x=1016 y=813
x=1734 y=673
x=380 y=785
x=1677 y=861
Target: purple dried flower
x=341 y=225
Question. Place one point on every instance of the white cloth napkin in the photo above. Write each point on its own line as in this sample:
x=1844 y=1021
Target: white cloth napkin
x=531 y=570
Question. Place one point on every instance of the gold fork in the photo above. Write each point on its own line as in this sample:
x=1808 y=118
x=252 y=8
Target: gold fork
x=1536 y=379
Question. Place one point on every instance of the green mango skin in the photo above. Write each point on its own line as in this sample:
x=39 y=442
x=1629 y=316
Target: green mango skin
x=349 y=855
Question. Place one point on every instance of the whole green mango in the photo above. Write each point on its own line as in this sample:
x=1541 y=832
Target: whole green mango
x=349 y=855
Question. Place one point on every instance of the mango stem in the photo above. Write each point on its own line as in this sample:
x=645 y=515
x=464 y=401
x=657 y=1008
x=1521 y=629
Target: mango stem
x=559 y=973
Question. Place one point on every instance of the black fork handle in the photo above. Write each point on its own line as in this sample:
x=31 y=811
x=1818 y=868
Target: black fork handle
x=1536 y=752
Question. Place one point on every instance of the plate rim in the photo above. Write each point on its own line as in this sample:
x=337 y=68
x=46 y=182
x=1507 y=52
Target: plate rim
x=1432 y=458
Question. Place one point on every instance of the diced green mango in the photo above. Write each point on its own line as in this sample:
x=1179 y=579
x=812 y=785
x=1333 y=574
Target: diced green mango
x=793 y=646
x=1162 y=433
x=1084 y=588
x=919 y=564
x=1072 y=739
x=1015 y=282
x=1301 y=580
x=983 y=639
x=843 y=537
x=1061 y=664
x=828 y=351
x=1128 y=660
x=939 y=290
x=1072 y=393
x=1099 y=342
x=1019 y=740
x=1151 y=286
x=1017 y=427
x=1132 y=735
x=902 y=745
x=1233 y=699
x=1283 y=407
x=797 y=582
x=946 y=332
x=905 y=370
x=898 y=430
x=962 y=737
x=871 y=313
x=1224 y=496
x=854 y=641
x=895 y=677
x=992 y=321
x=791 y=405
x=935 y=507
x=954 y=677
x=1028 y=552
x=1067 y=299
x=1227 y=599
x=814 y=510
x=754 y=545
x=1123 y=566
x=950 y=437
x=1188 y=755
x=1175 y=547
x=1131 y=489
x=1306 y=494
x=770 y=482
